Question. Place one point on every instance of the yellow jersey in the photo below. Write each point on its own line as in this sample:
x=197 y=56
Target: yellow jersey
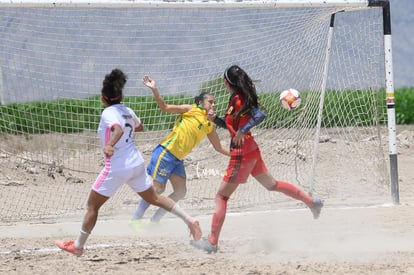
x=189 y=130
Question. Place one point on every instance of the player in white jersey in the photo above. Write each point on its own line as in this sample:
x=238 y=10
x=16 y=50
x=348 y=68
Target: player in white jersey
x=123 y=164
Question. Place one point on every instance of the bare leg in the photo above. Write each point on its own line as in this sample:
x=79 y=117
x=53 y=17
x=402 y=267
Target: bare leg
x=152 y=197
x=169 y=205
x=180 y=190
x=95 y=201
x=143 y=204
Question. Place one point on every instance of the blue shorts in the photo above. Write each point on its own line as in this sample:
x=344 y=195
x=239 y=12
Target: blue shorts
x=163 y=164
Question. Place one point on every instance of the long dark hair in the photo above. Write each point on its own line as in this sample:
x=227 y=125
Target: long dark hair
x=241 y=83
x=113 y=85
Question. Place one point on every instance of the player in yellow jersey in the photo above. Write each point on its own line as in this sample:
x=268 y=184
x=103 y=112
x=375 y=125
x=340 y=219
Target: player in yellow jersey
x=190 y=128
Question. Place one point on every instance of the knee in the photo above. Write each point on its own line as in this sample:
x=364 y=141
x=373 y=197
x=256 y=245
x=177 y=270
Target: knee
x=222 y=197
x=272 y=187
x=180 y=193
x=159 y=188
x=155 y=199
x=93 y=209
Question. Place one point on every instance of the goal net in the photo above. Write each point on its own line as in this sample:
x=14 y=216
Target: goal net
x=54 y=56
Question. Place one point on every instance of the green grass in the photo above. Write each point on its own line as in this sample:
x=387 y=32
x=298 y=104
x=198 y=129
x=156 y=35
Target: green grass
x=76 y=115
x=404 y=105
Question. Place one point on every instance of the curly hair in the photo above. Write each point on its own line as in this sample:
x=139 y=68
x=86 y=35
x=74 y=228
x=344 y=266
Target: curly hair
x=113 y=86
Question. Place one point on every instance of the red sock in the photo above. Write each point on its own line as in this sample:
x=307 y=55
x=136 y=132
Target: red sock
x=293 y=191
x=218 y=218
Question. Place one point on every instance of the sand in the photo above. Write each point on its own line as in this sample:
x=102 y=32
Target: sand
x=370 y=239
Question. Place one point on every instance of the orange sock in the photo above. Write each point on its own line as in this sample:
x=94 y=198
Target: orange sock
x=218 y=218
x=294 y=192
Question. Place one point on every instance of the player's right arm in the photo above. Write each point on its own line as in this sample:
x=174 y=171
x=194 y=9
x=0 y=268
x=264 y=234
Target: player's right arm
x=215 y=141
x=170 y=108
x=116 y=135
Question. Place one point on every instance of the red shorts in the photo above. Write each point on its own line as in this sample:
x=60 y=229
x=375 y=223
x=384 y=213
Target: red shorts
x=242 y=165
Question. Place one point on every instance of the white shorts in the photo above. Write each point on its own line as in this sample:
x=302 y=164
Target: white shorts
x=109 y=181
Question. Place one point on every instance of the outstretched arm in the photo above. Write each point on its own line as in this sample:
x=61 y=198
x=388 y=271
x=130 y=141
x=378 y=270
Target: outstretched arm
x=215 y=141
x=170 y=108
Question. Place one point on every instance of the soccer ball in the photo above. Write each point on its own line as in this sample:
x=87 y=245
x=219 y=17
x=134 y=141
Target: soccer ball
x=290 y=99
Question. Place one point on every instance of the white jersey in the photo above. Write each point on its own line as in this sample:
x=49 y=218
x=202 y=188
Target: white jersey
x=126 y=153
x=126 y=165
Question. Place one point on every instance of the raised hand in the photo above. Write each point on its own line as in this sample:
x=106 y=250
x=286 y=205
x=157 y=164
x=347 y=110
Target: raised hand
x=149 y=82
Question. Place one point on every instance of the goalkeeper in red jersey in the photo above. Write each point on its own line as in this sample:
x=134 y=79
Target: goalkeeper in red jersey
x=242 y=113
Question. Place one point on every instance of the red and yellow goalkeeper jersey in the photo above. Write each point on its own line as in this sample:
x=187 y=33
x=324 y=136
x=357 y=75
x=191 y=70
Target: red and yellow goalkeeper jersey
x=235 y=123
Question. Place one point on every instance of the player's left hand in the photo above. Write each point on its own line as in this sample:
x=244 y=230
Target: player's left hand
x=109 y=150
x=238 y=138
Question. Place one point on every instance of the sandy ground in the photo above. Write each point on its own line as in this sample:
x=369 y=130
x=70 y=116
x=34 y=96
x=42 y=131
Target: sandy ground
x=375 y=239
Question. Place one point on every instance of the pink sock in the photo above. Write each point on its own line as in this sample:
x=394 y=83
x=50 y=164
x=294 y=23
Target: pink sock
x=294 y=192
x=218 y=218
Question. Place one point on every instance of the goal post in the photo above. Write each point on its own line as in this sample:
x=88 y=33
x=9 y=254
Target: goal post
x=197 y=3
x=337 y=53
x=389 y=87
x=389 y=79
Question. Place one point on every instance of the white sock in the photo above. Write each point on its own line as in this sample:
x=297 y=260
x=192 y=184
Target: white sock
x=142 y=207
x=158 y=215
x=176 y=210
x=81 y=240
